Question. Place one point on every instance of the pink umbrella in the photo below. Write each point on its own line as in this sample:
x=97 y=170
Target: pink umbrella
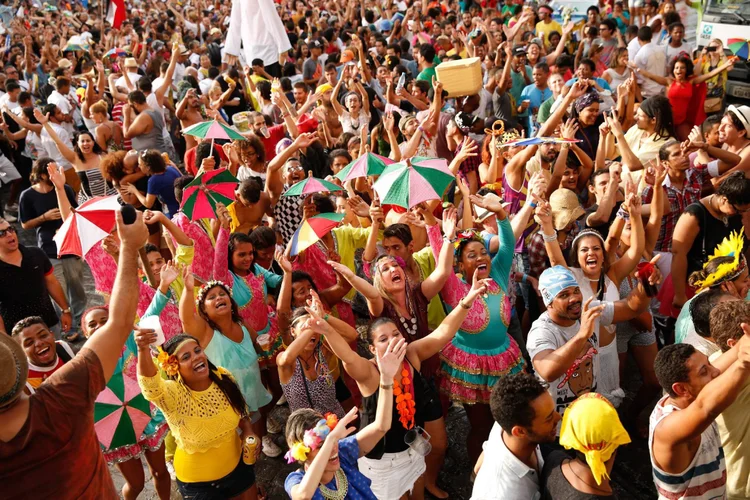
x=86 y=226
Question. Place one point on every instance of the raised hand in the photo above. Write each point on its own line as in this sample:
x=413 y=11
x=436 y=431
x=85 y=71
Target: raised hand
x=589 y=315
x=491 y=204
x=341 y=269
x=478 y=287
x=56 y=175
x=169 y=272
x=188 y=279
x=569 y=128
x=449 y=223
x=342 y=428
x=284 y=263
x=391 y=361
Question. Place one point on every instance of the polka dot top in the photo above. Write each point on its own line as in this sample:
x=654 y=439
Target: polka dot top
x=199 y=420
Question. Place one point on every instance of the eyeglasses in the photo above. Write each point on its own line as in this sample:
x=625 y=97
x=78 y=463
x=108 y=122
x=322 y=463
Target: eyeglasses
x=7 y=230
x=739 y=211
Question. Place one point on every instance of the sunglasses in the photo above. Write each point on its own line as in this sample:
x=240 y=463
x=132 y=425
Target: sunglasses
x=7 y=230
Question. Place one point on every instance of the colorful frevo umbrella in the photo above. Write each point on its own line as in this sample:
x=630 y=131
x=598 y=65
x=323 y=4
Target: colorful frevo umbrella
x=213 y=129
x=533 y=141
x=311 y=230
x=739 y=47
x=366 y=165
x=86 y=226
x=311 y=185
x=200 y=197
x=115 y=52
x=121 y=413
x=411 y=182
x=76 y=43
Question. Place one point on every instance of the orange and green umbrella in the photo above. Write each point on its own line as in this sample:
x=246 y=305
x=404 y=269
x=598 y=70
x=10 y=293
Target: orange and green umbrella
x=200 y=197
x=311 y=230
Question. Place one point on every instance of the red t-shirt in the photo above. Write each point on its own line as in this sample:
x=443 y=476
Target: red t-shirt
x=56 y=454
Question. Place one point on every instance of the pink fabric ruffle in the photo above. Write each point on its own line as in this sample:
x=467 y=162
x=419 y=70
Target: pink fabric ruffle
x=125 y=453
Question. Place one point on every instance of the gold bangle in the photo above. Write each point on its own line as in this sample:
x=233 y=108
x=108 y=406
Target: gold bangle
x=386 y=387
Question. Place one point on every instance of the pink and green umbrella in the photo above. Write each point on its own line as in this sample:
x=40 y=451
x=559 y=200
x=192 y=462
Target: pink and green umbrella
x=311 y=185
x=121 y=413
x=116 y=52
x=214 y=129
x=200 y=197
x=366 y=165
x=311 y=230
x=411 y=182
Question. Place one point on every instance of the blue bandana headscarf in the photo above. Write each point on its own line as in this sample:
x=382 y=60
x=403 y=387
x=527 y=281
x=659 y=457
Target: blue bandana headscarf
x=553 y=281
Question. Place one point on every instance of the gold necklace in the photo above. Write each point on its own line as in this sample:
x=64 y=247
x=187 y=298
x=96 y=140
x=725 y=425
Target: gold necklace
x=342 y=487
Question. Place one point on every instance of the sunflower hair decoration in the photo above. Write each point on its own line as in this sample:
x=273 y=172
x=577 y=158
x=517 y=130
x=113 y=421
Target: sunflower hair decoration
x=168 y=363
x=313 y=439
x=731 y=246
x=209 y=285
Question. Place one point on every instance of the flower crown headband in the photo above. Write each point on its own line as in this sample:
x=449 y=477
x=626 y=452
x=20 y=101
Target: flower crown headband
x=209 y=285
x=464 y=237
x=313 y=439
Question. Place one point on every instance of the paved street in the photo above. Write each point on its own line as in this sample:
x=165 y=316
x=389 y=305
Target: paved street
x=631 y=475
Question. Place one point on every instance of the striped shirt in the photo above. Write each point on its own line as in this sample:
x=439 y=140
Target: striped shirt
x=118 y=119
x=706 y=476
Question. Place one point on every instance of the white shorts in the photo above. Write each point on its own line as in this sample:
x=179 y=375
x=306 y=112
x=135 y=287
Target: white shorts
x=394 y=474
x=8 y=172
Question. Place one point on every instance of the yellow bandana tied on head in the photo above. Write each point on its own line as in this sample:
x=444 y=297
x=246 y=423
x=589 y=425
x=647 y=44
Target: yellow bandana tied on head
x=591 y=425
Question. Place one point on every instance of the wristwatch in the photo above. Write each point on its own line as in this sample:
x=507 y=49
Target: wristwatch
x=66 y=311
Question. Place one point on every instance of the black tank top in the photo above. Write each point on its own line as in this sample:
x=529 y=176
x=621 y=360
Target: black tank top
x=393 y=441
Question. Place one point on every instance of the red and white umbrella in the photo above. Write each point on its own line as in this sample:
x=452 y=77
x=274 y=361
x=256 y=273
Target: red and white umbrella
x=86 y=226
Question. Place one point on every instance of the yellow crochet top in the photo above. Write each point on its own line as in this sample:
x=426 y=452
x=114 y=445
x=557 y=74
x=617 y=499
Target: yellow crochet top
x=203 y=424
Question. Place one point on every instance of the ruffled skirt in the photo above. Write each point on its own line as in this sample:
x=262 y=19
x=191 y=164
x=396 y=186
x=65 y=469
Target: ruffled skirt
x=467 y=374
x=128 y=452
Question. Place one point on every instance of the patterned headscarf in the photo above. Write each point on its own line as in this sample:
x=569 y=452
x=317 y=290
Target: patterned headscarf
x=586 y=100
x=591 y=426
x=553 y=281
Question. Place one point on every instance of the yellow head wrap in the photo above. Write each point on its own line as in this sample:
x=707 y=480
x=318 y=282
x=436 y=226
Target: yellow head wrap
x=591 y=425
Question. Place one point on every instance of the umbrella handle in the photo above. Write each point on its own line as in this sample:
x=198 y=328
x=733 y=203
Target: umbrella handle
x=208 y=193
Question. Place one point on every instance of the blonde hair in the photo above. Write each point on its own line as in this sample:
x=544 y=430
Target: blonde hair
x=100 y=107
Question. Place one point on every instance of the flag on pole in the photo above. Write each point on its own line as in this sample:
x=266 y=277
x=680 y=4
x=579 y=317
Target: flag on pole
x=116 y=13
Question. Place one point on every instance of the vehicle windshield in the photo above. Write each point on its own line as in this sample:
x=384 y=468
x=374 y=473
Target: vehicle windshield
x=741 y=7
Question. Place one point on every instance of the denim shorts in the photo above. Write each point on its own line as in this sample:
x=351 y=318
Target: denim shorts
x=241 y=479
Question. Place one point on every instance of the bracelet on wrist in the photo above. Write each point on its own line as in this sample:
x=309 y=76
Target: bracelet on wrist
x=533 y=205
x=386 y=387
x=524 y=278
x=463 y=304
x=549 y=237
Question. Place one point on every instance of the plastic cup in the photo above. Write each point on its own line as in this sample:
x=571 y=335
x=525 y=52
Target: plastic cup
x=153 y=323
x=418 y=440
x=264 y=341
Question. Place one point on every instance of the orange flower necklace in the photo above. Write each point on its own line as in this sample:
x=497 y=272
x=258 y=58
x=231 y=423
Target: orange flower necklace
x=404 y=393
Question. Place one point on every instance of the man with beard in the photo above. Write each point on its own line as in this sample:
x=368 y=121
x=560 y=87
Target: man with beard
x=525 y=417
x=564 y=342
x=45 y=355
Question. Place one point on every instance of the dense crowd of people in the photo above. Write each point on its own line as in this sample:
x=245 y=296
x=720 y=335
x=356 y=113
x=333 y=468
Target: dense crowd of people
x=591 y=230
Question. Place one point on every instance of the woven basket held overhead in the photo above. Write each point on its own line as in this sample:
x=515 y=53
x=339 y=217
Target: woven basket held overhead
x=460 y=78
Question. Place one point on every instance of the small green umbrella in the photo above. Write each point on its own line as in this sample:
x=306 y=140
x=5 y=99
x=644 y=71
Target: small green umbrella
x=311 y=185
x=366 y=165
x=413 y=181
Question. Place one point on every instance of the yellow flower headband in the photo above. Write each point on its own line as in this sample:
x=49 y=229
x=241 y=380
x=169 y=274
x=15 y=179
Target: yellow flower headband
x=168 y=362
x=731 y=246
x=313 y=439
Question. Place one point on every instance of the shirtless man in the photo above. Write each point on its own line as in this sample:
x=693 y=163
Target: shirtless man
x=189 y=113
x=251 y=205
x=322 y=109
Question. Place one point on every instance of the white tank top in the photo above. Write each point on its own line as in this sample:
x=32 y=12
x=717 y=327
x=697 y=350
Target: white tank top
x=706 y=476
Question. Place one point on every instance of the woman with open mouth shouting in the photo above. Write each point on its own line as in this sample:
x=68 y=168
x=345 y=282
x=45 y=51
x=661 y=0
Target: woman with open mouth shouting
x=482 y=351
x=600 y=277
x=204 y=407
x=396 y=465
x=321 y=446
x=219 y=328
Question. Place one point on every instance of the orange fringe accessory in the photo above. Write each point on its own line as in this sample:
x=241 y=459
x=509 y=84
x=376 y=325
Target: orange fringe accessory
x=405 y=404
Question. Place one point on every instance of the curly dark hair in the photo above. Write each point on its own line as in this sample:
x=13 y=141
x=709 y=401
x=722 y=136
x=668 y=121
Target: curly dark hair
x=511 y=397
x=96 y=148
x=202 y=307
x=725 y=321
x=670 y=366
x=684 y=59
x=736 y=189
x=227 y=385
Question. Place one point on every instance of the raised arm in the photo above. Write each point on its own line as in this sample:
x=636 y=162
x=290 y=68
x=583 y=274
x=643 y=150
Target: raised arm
x=432 y=344
x=67 y=153
x=554 y=253
x=432 y=285
x=371 y=294
x=192 y=323
x=107 y=342
x=727 y=66
x=626 y=264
